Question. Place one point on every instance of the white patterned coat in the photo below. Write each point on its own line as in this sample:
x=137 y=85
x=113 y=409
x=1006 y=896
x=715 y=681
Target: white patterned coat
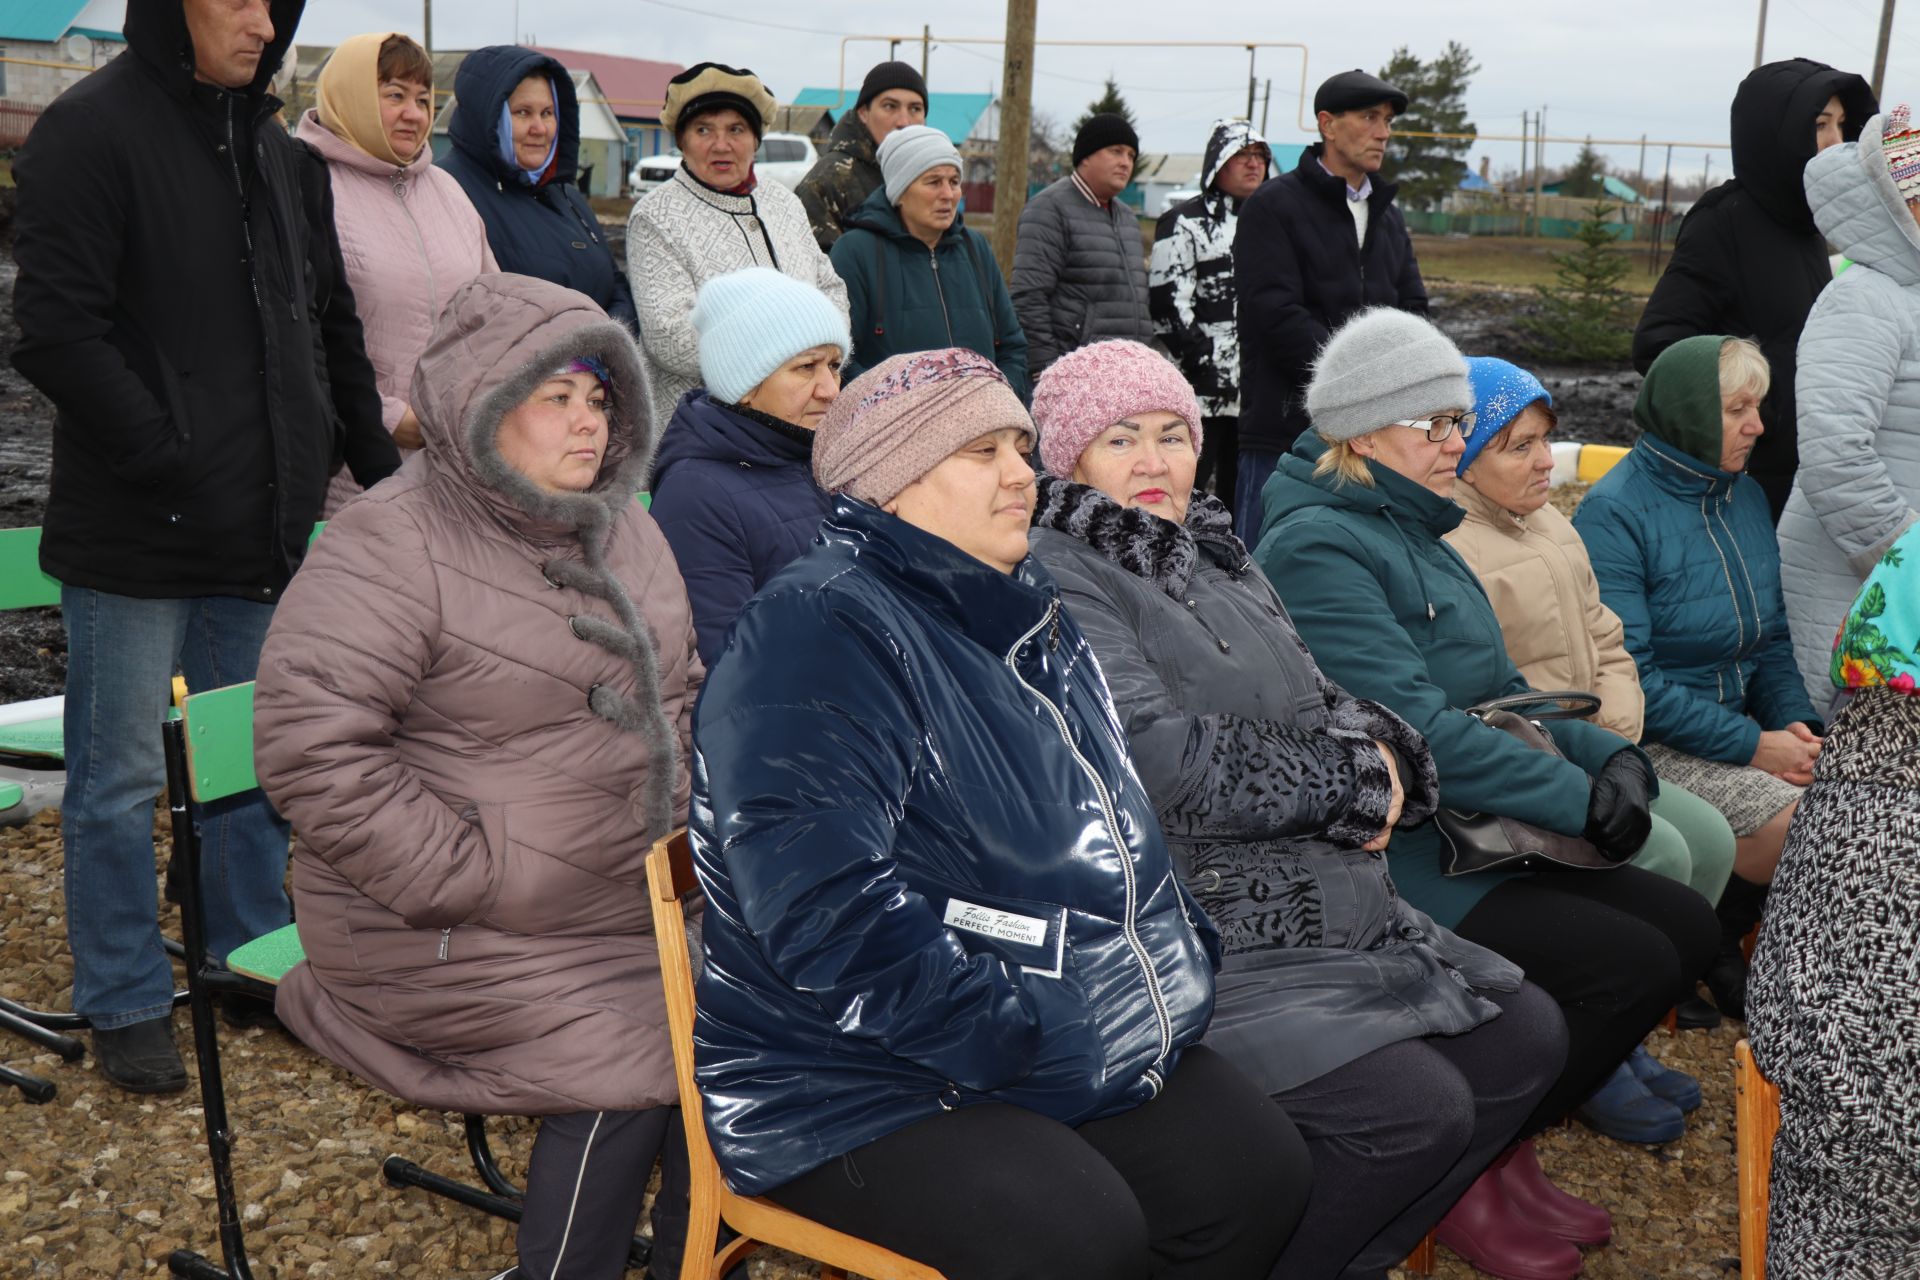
x=1858 y=392
x=1833 y=1006
x=682 y=234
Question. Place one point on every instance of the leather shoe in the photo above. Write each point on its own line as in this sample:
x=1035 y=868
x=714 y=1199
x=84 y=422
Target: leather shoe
x=1535 y=1198
x=141 y=1057
x=1662 y=1081
x=1625 y=1109
x=1695 y=1014
x=1486 y=1230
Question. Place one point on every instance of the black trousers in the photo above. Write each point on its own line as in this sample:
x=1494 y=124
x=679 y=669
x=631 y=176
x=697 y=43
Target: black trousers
x=1615 y=949
x=586 y=1181
x=1205 y=1182
x=1397 y=1135
x=1219 y=457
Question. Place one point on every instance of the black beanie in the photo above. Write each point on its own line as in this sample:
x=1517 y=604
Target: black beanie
x=891 y=75
x=1102 y=131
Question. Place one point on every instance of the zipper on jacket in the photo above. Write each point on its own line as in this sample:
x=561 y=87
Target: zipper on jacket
x=1128 y=924
x=246 y=224
x=419 y=241
x=933 y=260
x=446 y=940
x=1206 y=626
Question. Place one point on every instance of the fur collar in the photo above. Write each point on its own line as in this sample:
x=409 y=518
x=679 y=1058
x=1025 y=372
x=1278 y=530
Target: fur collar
x=1145 y=545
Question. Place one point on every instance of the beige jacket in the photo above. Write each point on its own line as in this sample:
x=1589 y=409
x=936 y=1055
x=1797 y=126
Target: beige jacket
x=474 y=706
x=1537 y=574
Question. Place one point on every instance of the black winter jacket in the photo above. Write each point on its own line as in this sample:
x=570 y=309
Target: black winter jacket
x=548 y=231
x=1749 y=262
x=182 y=302
x=1079 y=274
x=1303 y=273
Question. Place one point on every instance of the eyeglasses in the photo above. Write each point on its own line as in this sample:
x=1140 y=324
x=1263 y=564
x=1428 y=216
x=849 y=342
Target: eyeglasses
x=1439 y=426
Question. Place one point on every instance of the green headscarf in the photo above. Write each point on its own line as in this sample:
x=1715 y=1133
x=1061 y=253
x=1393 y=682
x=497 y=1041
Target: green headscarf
x=1680 y=400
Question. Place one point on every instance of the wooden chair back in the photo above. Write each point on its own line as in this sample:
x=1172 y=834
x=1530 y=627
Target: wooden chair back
x=759 y=1221
x=1756 y=1102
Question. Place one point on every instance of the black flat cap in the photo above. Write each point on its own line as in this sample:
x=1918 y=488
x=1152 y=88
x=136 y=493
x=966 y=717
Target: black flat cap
x=1352 y=90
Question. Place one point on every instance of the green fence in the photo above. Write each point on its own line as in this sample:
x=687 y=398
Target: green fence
x=1515 y=224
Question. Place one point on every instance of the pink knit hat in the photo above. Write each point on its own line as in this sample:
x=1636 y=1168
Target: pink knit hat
x=901 y=418
x=1086 y=391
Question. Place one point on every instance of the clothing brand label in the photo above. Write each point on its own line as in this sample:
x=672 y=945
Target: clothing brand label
x=1005 y=925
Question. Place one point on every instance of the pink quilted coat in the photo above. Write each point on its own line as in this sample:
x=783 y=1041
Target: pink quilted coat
x=410 y=237
x=473 y=706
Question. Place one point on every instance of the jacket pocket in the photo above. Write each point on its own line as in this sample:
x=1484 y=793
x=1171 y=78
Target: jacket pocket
x=1025 y=932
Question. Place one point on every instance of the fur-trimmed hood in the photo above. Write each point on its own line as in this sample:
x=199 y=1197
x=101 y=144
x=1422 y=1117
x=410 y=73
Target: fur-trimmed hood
x=499 y=338
x=1145 y=545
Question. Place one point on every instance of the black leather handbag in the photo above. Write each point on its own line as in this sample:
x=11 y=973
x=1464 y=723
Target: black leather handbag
x=1488 y=841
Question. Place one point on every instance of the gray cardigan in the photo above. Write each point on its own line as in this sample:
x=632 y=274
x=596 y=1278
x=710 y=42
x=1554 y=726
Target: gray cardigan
x=1079 y=274
x=1266 y=781
x=1858 y=391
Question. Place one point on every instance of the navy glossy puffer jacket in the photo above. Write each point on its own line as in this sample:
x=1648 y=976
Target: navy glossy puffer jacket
x=734 y=493
x=932 y=876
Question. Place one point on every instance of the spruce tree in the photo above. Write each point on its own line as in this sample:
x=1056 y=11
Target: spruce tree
x=1587 y=316
x=1429 y=169
x=1586 y=180
x=1108 y=103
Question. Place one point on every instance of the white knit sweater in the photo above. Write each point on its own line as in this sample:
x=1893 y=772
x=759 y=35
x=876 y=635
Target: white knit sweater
x=682 y=234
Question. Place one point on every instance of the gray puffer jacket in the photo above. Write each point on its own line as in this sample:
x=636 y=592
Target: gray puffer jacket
x=1858 y=391
x=1266 y=781
x=1079 y=274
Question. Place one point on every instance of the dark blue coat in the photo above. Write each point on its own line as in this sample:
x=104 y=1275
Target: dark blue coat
x=737 y=501
x=933 y=878
x=1685 y=554
x=548 y=231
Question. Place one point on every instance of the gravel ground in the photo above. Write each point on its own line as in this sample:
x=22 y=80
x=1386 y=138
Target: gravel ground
x=98 y=1183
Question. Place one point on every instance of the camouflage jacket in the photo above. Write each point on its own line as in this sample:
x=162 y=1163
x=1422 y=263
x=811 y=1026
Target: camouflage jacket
x=846 y=173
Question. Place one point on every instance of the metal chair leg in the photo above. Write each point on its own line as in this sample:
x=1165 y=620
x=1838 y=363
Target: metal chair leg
x=32 y=1088
x=17 y=1019
x=206 y=1037
x=483 y=1162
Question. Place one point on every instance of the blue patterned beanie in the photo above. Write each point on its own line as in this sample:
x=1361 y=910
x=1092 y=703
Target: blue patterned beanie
x=1501 y=389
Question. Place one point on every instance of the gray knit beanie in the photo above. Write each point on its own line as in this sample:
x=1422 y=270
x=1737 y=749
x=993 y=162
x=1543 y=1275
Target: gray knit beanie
x=908 y=152
x=1384 y=365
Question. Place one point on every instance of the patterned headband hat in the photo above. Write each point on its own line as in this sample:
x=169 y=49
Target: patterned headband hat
x=903 y=417
x=1901 y=146
x=1879 y=643
x=593 y=365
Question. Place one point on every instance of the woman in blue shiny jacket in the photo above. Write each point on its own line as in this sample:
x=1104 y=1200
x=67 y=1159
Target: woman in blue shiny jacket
x=952 y=986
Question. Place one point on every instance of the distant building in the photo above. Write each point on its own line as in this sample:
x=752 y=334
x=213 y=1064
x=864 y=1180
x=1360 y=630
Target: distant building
x=634 y=88
x=958 y=115
x=46 y=46
x=1615 y=189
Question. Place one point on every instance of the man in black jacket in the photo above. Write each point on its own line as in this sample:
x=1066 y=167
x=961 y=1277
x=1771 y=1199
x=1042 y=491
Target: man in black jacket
x=1749 y=261
x=1313 y=247
x=189 y=318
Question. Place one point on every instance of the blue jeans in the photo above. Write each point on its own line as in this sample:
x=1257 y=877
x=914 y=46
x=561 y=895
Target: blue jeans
x=121 y=655
x=1256 y=468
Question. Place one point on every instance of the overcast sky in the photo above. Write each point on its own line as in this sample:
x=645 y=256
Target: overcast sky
x=1663 y=68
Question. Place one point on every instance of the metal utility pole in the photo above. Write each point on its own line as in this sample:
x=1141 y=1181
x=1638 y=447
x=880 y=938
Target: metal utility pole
x=1760 y=40
x=1664 y=217
x=926 y=45
x=1526 y=140
x=1880 y=51
x=1251 y=82
x=426 y=25
x=1539 y=163
x=1266 y=104
x=1016 y=124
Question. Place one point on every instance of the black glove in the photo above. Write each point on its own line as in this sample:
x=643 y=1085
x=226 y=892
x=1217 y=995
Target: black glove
x=1617 y=817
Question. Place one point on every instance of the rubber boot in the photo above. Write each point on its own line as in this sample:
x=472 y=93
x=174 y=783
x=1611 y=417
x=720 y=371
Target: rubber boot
x=1535 y=1198
x=1740 y=906
x=1662 y=1081
x=1626 y=1110
x=1485 y=1228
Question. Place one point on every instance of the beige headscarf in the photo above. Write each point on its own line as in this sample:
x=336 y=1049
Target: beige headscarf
x=349 y=97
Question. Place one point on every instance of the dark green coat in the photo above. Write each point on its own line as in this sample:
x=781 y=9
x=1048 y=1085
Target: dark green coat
x=1392 y=613
x=903 y=296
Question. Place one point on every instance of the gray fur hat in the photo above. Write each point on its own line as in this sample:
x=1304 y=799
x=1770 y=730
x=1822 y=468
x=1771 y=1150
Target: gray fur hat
x=1384 y=365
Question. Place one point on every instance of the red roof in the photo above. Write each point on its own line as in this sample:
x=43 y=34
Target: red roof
x=635 y=87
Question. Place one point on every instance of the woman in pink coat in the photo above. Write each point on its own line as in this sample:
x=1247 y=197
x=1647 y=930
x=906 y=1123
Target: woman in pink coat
x=408 y=233
x=474 y=707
